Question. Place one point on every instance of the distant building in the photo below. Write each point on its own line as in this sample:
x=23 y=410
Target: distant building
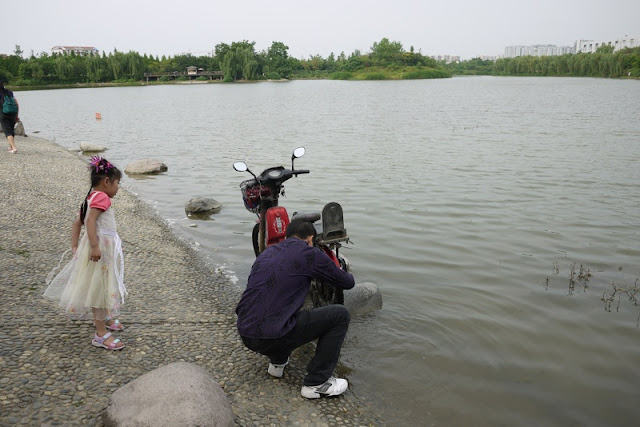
x=194 y=71
x=537 y=50
x=591 y=46
x=78 y=50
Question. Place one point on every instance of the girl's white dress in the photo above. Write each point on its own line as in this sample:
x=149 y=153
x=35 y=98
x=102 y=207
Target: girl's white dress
x=83 y=284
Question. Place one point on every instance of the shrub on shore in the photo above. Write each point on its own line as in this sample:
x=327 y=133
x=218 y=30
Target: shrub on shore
x=341 y=75
x=428 y=73
x=375 y=76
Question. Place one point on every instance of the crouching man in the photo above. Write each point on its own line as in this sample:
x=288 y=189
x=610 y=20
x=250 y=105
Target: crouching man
x=270 y=319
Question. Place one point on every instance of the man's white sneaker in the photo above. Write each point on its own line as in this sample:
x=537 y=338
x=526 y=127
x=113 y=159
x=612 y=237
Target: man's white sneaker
x=332 y=387
x=277 y=370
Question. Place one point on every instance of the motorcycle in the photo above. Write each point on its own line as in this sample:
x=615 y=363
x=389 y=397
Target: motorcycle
x=260 y=196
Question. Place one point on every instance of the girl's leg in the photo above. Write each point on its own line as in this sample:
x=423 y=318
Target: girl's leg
x=99 y=316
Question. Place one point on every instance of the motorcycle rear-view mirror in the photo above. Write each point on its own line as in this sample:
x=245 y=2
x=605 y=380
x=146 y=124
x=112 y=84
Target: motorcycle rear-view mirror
x=298 y=152
x=240 y=166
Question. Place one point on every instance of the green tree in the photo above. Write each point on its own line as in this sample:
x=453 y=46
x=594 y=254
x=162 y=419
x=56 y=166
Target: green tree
x=238 y=60
x=248 y=63
x=11 y=64
x=231 y=66
x=331 y=64
x=354 y=63
x=386 y=52
x=134 y=66
x=315 y=63
x=31 y=71
x=605 y=48
x=5 y=76
x=115 y=62
x=97 y=68
x=221 y=50
x=277 y=59
x=63 y=68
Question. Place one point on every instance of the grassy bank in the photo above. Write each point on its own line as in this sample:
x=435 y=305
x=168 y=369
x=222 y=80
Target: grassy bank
x=395 y=73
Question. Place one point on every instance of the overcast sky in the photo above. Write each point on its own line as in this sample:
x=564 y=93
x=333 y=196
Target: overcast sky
x=468 y=28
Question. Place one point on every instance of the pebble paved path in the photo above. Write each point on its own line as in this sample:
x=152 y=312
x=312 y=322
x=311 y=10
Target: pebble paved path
x=177 y=310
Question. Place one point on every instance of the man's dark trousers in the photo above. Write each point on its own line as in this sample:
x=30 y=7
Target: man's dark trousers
x=329 y=324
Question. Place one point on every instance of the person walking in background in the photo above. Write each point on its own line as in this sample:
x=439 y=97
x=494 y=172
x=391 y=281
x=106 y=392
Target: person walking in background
x=270 y=319
x=91 y=285
x=8 y=115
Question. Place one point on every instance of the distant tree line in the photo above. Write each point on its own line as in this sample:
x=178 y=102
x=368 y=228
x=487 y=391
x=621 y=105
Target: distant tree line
x=602 y=63
x=238 y=60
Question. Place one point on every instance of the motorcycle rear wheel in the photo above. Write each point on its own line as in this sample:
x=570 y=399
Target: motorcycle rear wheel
x=254 y=238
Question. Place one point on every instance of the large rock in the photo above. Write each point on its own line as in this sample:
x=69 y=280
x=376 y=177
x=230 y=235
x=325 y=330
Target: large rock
x=90 y=147
x=363 y=298
x=202 y=205
x=178 y=394
x=19 y=129
x=146 y=166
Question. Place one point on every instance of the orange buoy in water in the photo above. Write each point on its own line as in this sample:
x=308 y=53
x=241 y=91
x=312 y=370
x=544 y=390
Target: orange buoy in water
x=98 y=116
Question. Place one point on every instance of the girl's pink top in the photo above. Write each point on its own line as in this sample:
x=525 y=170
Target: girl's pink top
x=100 y=200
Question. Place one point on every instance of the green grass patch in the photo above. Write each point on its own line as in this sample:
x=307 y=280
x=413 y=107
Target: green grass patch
x=427 y=73
x=341 y=75
x=22 y=252
x=310 y=74
x=375 y=76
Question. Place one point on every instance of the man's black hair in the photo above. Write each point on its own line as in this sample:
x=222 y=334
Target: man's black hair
x=301 y=228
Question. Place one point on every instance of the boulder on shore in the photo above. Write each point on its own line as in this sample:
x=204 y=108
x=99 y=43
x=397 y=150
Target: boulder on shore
x=177 y=394
x=202 y=205
x=145 y=167
x=90 y=147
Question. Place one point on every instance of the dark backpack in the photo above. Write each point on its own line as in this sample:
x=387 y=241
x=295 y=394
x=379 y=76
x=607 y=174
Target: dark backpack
x=9 y=105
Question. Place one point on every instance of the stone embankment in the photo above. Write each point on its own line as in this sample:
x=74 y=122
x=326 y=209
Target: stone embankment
x=177 y=309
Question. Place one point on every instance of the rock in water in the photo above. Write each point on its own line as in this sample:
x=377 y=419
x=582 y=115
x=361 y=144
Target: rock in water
x=201 y=205
x=146 y=166
x=363 y=298
x=90 y=147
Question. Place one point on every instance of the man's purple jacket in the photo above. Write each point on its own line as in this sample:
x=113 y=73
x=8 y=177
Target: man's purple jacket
x=278 y=285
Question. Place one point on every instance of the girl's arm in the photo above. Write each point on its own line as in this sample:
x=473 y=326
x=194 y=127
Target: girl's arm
x=75 y=234
x=92 y=233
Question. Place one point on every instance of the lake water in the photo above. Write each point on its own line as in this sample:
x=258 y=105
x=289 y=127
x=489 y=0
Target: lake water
x=468 y=200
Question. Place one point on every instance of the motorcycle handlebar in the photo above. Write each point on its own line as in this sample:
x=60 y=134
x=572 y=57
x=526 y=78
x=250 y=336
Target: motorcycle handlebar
x=299 y=171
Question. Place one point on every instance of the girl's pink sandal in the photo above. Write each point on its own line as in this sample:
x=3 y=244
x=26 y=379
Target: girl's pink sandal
x=115 y=326
x=99 y=342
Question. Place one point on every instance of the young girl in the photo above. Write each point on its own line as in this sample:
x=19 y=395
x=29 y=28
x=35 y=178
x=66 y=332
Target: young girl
x=91 y=284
